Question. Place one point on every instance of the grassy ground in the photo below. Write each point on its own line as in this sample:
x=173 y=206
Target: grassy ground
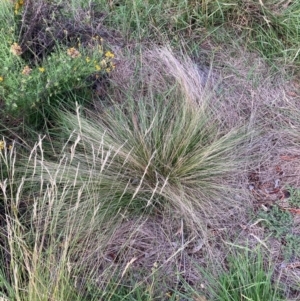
x=149 y=150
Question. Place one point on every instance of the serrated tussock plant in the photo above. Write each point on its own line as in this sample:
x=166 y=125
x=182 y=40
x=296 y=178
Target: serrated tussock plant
x=164 y=145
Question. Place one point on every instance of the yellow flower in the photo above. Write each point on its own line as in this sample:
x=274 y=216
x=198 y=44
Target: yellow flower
x=1 y=144
x=18 y=5
x=73 y=53
x=98 y=68
x=87 y=59
x=26 y=70
x=109 y=54
x=16 y=49
x=1 y=79
x=41 y=69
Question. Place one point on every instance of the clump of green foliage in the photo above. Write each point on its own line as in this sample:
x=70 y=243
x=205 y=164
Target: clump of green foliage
x=278 y=221
x=63 y=71
x=32 y=80
x=247 y=278
x=280 y=224
x=247 y=275
x=294 y=198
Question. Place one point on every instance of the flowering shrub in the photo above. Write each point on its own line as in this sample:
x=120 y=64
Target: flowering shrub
x=23 y=86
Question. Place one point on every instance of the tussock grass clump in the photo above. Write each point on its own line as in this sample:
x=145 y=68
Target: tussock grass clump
x=163 y=146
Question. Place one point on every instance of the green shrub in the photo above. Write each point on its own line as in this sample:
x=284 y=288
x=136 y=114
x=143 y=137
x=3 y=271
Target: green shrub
x=24 y=88
x=32 y=80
